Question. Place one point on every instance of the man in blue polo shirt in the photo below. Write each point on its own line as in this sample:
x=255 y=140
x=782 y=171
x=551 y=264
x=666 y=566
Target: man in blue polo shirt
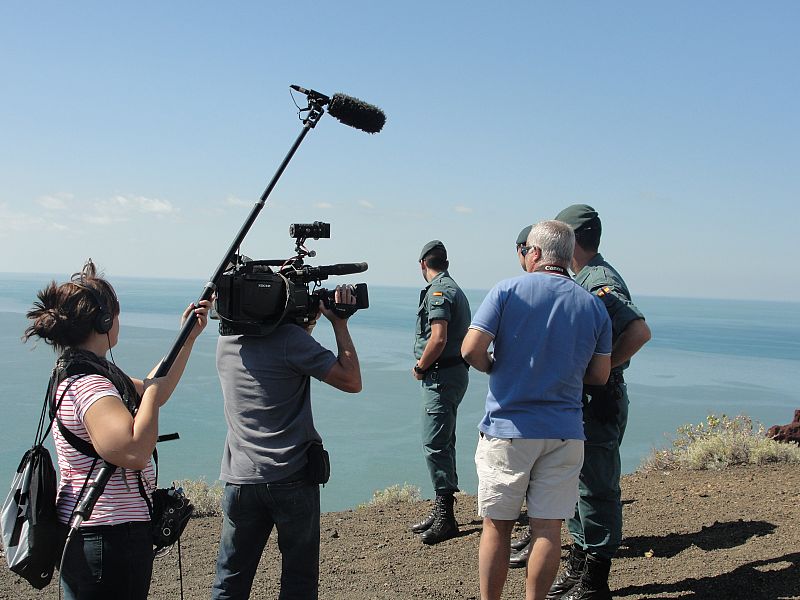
x=550 y=336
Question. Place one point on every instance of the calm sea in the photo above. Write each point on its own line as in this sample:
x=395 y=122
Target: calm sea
x=706 y=356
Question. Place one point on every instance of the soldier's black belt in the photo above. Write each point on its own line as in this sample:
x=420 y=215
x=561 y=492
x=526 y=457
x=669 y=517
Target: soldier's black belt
x=446 y=363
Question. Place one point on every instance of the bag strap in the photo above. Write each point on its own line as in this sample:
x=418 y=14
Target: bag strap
x=143 y=494
x=77 y=443
x=73 y=440
x=49 y=400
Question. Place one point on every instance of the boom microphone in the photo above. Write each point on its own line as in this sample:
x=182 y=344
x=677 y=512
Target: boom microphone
x=321 y=98
x=348 y=110
x=340 y=269
x=355 y=113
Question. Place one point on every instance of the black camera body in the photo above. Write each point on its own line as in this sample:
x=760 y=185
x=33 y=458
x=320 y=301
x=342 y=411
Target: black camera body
x=256 y=296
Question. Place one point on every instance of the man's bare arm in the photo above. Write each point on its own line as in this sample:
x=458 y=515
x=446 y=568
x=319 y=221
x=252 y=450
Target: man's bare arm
x=598 y=370
x=635 y=335
x=475 y=350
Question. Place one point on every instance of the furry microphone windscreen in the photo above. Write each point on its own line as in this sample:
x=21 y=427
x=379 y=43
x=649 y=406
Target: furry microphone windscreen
x=355 y=113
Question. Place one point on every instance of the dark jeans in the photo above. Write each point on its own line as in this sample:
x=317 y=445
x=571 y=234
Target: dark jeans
x=109 y=561
x=250 y=512
x=597 y=524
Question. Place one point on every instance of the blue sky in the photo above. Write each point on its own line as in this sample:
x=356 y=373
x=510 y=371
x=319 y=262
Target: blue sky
x=142 y=134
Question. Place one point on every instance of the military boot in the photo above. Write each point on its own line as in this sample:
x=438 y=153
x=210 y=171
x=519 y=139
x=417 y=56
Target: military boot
x=522 y=542
x=594 y=582
x=519 y=558
x=573 y=571
x=426 y=523
x=444 y=522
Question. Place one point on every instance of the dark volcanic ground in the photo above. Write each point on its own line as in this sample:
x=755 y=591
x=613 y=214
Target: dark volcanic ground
x=688 y=534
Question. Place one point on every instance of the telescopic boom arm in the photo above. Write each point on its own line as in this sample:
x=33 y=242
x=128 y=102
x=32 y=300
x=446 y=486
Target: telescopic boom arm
x=315 y=112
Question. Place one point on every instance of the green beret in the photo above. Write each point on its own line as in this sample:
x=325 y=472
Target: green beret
x=579 y=216
x=430 y=246
x=522 y=238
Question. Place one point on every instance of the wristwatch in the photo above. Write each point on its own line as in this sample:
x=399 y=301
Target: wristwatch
x=419 y=371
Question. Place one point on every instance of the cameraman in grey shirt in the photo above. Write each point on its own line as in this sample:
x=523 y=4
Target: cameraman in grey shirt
x=266 y=383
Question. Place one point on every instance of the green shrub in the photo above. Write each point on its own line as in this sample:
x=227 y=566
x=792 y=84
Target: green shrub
x=394 y=494
x=207 y=499
x=721 y=442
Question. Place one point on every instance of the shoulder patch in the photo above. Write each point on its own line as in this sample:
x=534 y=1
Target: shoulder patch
x=438 y=293
x=603 y=291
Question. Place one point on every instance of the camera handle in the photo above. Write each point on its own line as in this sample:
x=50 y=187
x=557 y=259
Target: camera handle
x=315 y=111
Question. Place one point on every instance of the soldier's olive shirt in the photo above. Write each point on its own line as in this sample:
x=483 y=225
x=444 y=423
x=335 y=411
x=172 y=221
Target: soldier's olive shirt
x=603 y=280
x=442 y=299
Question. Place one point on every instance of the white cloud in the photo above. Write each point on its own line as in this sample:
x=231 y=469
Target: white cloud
x=61 y=212
x=462 y=209
x=366 y=204
x=323 y=205
x=11 y=221
x=234 y=201
x=55 y=201
x=144 y=205
x=101 y=219
x=122 y=208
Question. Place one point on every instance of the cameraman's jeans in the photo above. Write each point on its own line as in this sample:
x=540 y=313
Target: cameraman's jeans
x=109 y=561
x=442 y=391
x=251 y=510
x=597 y=524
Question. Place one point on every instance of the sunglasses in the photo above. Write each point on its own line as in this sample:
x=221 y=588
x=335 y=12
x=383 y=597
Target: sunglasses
x=525 y=249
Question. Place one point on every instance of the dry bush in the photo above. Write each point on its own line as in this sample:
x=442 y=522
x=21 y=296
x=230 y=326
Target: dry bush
x=394 y=494
x=207 y=499
x=721 y=442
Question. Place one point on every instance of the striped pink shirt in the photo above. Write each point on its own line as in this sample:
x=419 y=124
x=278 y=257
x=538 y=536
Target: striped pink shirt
x=121 y=501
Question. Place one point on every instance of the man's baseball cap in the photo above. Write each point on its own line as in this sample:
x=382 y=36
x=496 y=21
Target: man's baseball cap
x=522 y=238
x=579 y=216
x=430 y=246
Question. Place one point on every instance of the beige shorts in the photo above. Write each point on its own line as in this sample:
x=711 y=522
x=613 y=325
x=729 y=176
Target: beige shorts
x=543 y=471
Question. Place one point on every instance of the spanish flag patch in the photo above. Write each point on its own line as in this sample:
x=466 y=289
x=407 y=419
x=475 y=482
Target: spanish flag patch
x=603 y=291
x=438 y=293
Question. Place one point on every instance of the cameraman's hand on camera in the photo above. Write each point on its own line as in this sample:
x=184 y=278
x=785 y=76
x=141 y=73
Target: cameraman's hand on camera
x=345 y=374
x=343 y=295
x=201 y=311
x=309 y=327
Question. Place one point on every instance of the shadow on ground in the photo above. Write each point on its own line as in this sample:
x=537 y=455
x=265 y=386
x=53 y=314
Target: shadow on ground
x=766 y=579
x=714 y=537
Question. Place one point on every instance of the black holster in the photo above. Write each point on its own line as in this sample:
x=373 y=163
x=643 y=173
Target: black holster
x=602 y=401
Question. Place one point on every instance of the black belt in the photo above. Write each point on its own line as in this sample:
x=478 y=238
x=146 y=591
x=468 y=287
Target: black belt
x=446 y=363
x=296 y=476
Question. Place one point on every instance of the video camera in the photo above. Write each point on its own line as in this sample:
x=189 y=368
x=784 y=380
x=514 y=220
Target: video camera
x=254 y=299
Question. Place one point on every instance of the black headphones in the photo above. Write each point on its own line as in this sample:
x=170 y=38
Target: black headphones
x=104 y=320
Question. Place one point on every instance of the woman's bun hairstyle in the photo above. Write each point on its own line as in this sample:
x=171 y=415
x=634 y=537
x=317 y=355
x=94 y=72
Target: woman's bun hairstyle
x=64 y=315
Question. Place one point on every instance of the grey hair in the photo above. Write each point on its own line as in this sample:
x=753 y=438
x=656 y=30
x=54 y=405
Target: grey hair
x=556 y=241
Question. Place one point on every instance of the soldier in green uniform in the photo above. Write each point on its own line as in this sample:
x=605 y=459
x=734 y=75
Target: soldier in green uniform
x=596 y=527
x=443 y=318
x=522 y=241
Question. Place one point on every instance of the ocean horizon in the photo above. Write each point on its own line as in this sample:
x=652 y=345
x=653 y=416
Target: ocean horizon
x=706 y=356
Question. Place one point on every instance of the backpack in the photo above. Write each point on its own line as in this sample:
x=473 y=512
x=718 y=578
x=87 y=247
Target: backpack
x=32 y=536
